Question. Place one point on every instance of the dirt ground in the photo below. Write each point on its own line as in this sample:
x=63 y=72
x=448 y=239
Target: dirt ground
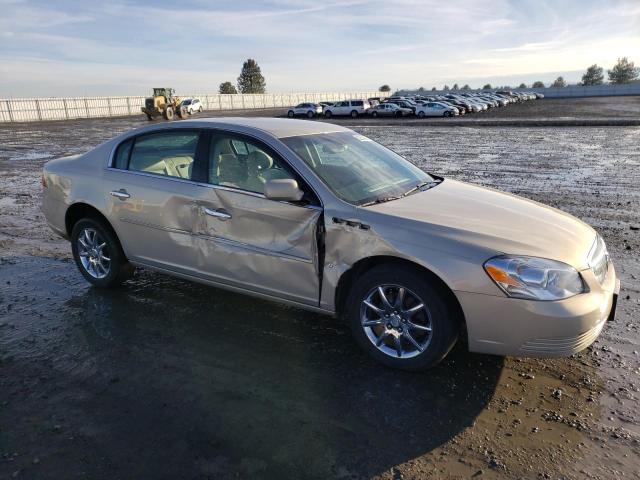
x=168 y=379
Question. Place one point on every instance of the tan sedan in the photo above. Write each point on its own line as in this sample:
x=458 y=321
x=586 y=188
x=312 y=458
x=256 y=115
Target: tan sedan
x=320 y=217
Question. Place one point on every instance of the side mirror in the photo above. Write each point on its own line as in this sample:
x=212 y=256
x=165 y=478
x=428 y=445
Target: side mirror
x=283 y=189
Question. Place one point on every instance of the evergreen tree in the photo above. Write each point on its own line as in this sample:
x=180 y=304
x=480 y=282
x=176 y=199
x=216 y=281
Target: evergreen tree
x=251 y=79
x=623 y=72
x=227 y=87
x=593 y=76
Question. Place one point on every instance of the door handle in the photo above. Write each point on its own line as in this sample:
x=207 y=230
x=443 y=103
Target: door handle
x=217 y=213
x=121 y=194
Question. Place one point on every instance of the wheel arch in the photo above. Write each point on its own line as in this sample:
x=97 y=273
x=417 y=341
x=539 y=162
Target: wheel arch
x=80 y=210
x=363 y=265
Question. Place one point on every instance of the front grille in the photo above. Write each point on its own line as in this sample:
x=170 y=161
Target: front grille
x=599 y=259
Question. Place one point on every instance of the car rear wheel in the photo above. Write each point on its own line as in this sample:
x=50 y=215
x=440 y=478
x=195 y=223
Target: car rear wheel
x=290 y=114
x=309 y=114
x=98 y=254
x=401 y=318
x=354 y=114
x=421 y=114
x=168 y=113
x=374 y=114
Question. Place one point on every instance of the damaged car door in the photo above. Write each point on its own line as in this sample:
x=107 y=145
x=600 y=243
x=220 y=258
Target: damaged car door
x=246 y=240
x=149 y=188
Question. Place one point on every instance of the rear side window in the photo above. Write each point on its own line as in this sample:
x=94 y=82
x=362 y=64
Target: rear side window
x=165 y=153
x=121 y=158
x=356 y=103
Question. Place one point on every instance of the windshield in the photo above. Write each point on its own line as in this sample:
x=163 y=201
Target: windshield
x=357 y=169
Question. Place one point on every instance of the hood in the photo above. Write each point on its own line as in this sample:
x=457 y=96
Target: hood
x=493 y=220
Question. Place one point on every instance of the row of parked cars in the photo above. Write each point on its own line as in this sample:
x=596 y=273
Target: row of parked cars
x=449 y=105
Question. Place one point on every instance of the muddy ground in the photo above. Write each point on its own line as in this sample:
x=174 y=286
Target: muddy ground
x=168 y=379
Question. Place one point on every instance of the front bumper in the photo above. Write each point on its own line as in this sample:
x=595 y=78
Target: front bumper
x=527 y=328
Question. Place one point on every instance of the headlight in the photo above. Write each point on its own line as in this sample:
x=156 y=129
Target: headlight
x=534 y=278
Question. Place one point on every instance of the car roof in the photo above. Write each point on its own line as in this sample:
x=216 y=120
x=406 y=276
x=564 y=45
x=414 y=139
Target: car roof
x=277 y=127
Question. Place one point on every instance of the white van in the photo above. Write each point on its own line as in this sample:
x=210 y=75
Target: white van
x=348 y=107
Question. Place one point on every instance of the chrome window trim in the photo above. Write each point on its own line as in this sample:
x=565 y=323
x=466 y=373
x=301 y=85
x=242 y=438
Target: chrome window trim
x=209 y=185
x=111 y=157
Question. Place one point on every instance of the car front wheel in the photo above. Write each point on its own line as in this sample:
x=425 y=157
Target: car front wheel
x=421 y=114
x=354 y=114
x=309 y=114
x=98 y=254
x=327 y=114
x=290 y=114
x=401 y=318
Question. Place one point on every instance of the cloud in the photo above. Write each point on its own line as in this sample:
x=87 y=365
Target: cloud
x=304 y=44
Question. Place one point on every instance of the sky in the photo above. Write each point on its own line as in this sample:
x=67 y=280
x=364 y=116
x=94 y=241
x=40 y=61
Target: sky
x=125 y=47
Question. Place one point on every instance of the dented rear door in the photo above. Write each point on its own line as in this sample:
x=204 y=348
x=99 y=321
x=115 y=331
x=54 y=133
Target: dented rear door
x=247 y=241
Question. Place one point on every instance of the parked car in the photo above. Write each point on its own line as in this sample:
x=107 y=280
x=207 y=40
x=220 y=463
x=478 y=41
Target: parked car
x=192 y=105
x=320 y=217
x=405 y=104
x=348 y=107
x=309 y=110
x=436 y=109
x=389 y=110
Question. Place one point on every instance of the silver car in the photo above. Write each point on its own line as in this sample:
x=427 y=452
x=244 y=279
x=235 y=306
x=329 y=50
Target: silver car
x=323 y=218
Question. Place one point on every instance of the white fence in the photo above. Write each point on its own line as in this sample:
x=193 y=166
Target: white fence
x=40 y=109
x=556 y=92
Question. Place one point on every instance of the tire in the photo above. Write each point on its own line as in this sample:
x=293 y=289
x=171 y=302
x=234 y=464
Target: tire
x=328 y=114
x=446 y=114
x=290 y=114
x=182 y=112
x=354 y=113
x=399 y=114
x=437 y=313
x=88 y=233
x=168 y=113
x=200 y=109
x=420 y=114
x=309 y=114
x=374 y=114
x=190 y=111
x=149 y=117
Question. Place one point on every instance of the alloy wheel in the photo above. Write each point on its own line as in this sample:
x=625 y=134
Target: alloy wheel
x=396 y=321
x=94 y=253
